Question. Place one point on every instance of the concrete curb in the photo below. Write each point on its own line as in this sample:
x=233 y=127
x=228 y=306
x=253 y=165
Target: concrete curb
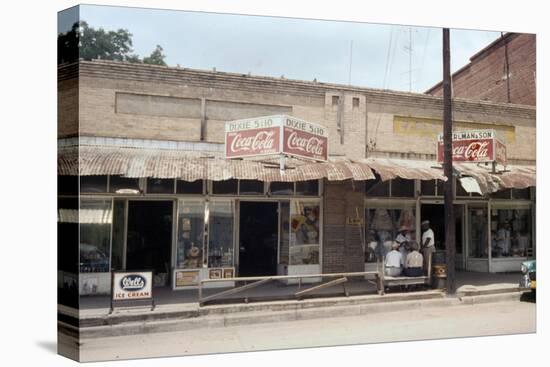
x=216 y=320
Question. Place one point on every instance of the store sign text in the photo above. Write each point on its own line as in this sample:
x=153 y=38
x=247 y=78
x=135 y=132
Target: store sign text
x=474 y=146
x=276 y=135
x=131 y=286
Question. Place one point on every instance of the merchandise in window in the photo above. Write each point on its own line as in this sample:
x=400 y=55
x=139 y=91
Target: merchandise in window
x=95 y=218
x=304 y=233
x=511 y=233
x=382 y=227
x=478 y=232
x=220 y=234
x=189 y=251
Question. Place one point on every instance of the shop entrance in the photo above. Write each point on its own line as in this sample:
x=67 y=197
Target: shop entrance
x=149 y=238
x=258 y=238
x=435 y=213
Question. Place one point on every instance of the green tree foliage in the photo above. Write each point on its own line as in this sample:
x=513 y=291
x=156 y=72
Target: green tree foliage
x=88 y=43
x=156 y=57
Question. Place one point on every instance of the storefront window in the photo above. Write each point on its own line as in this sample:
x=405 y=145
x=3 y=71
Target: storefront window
x=307 y=188
x=251 y=187
x=123 y=185
x=93 y=184
x=284 y=232
x=95 y=218
x=304 y=233
x=220 y=232
x=227 y=187
x=520 y=194
x=402 y=188
x=382 y=227
x=377 y=187
x=478 y=232
x=502 y=194
x=67 y=185
x=511 y=232
x=160 y=186
x=189 y=251
x=427 y=187
x=281 y=188
x=186 y=187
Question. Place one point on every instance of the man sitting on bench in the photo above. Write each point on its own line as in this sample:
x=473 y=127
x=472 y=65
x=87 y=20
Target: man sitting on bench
x=394 y=260
x=414 y=262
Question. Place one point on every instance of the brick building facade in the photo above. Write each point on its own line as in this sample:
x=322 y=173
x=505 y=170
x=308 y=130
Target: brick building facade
x=485 y=77
x=113 y=112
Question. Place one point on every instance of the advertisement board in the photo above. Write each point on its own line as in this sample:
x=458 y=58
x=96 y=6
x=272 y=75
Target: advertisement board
x=475 y=146
x=132 y=285
x=278 y=134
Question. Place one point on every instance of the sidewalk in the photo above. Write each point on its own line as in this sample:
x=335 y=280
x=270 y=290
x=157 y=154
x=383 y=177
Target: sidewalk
x=169 y=316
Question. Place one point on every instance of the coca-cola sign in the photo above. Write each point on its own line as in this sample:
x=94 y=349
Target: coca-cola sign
x=278 y=134
x=474 y=146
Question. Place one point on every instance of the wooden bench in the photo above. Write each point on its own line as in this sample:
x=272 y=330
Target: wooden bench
x=388 y=281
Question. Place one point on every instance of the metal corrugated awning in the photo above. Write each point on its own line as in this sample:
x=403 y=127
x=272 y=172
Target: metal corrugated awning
x=513 y=177
x=390 y=168
x=193 y=165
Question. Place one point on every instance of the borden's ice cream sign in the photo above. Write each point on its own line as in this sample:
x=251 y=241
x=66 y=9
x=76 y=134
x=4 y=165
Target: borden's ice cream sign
x=279 y=134
x=474 y=146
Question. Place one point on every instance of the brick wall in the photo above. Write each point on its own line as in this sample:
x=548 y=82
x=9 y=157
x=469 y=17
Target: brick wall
x=485 y=78
x=342 y=247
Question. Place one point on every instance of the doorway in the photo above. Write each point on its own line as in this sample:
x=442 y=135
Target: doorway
x=149 y=238
x=258 y=238
x=435 y=213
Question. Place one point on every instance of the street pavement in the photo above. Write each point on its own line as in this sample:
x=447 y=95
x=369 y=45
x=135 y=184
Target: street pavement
x=511 y=317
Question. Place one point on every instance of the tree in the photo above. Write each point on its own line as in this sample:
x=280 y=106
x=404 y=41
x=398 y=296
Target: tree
x=88 y=43
x=156 y=57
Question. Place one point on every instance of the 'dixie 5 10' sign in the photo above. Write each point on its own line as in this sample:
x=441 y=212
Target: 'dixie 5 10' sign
x=474 y=146
x=274 y=135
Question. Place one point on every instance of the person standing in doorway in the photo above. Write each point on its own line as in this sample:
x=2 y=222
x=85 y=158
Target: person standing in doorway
x=428 y=242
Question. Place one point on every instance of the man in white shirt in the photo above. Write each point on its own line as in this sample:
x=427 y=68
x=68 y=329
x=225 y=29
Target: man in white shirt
x=413 y=265
x=403 y=239
x=394 y=261
x=428 y=241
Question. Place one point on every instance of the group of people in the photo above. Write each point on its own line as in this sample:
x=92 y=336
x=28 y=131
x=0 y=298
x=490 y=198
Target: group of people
x=405 y=257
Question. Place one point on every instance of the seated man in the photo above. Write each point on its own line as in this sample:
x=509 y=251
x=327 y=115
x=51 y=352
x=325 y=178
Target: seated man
x=393 y=261
x=413 y=264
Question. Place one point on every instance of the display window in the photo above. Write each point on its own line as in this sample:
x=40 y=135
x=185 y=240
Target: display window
x=511 y=232
x=477 y=217
x=190 y=238
x=95 y=219
x=304 y=238
x=220 y=234
x=383 y=224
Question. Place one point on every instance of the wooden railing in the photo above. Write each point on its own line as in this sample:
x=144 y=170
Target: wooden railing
x=341 y=278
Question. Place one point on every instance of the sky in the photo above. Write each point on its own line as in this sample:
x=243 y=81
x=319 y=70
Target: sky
x=395 y=57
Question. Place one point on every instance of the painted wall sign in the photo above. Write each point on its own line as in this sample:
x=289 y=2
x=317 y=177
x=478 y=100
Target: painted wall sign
x=474 y=146
x=132 y=285
x=275 y=135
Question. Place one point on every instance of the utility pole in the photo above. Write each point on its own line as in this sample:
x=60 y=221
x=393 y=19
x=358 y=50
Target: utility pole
x=450 y=245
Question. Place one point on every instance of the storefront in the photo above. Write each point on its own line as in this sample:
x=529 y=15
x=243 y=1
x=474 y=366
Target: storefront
x=494 y=232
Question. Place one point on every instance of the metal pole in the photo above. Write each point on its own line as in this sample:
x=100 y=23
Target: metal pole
x=450 y=245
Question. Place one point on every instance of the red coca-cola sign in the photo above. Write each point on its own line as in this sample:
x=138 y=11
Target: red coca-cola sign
x=304 y=144
x=279 y=134
x=474 y=146
x=252 y=142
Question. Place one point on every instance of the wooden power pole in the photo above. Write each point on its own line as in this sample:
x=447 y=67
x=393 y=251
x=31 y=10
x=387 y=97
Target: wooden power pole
x=450 y=245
